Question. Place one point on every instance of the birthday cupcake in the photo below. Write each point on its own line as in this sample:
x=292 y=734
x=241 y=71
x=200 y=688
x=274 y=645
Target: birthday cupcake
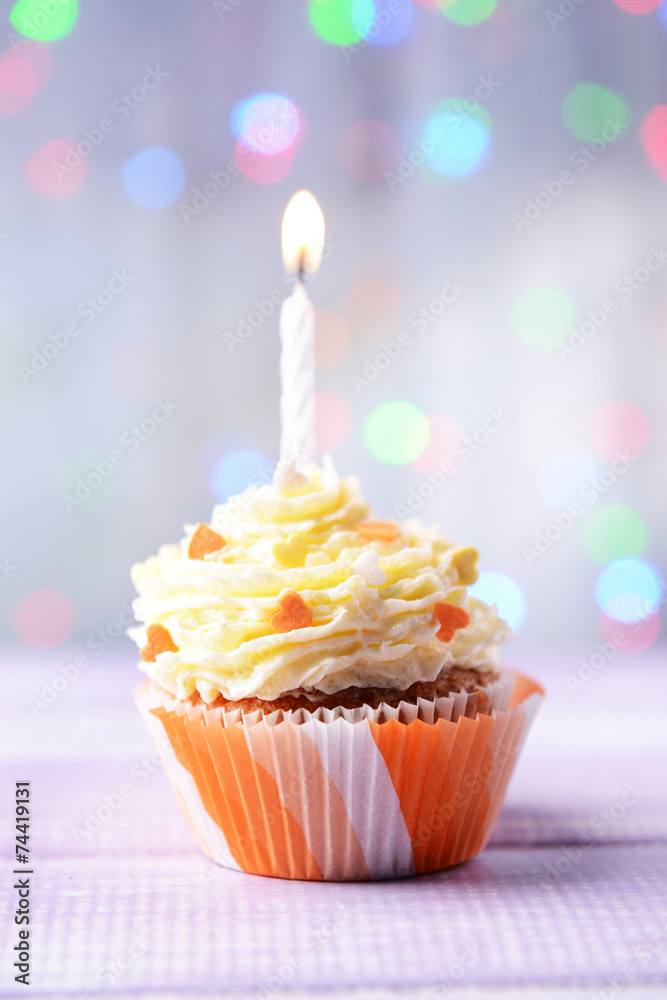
x=326 y=691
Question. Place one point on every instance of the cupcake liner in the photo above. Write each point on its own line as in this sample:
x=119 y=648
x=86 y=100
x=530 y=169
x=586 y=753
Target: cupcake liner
x=343 y=794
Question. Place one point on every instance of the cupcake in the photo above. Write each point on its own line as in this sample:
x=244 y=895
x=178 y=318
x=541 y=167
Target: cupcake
x=326 y=691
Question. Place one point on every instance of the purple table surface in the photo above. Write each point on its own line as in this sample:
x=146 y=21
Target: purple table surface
x=133 y=909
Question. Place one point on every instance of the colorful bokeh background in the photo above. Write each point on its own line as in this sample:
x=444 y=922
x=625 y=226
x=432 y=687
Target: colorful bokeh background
x=491 y=307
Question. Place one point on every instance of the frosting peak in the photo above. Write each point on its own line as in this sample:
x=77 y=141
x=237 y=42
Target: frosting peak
x=370 y=590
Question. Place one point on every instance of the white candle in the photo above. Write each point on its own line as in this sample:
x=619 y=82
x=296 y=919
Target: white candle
x=297 y=378
x=303 y=242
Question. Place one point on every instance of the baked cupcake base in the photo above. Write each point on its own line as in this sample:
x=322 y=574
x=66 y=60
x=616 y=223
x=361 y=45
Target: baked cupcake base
x=343 y=793
x=452 y=680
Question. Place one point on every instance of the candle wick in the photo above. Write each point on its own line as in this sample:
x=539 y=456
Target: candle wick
x=301 y=269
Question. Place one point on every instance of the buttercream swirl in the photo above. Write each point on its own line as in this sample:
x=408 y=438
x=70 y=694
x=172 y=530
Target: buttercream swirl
x=371 y=602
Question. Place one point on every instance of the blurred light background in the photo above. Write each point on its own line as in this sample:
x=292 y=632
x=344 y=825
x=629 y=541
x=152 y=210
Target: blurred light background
x=491 y=310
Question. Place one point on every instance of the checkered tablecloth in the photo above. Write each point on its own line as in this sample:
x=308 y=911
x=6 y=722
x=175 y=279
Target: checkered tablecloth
x=568 y=900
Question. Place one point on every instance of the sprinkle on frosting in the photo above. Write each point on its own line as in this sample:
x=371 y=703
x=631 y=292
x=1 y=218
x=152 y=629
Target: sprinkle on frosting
x=371 y=603
x=291 y=553
x=293 y=613
x=158 y=641
x=204 y=541
x=450 y=618
x=378 y=531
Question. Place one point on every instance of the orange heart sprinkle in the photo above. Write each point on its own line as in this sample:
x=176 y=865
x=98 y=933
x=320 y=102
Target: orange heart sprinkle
x=293 y=613
x=159 y=641
x=378 y=531
x=203 y=541
x=451 y=618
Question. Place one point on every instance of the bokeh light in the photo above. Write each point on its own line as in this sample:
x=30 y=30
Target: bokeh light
x=57 y=169
x=44 y=20
x=614 y=532
x=501 y=590
x=543 y=317
x=333 y=421
x=656 y=324
x=619 y=427
x=456 y=141
x=39 y=56
x=391 y=22
x=341 y=22
x=44 y=619
x=18 y=83
x=653 y=137
x=467 y=12
x=263 y=169
x=562 y=479
x=371 y=308
x=236 y=470
x=396 y=432
x=588 y=108
x=332 y=339
x=444 y=435
x=662 y=14
x=154 y=178
x=87 y=479
x=629 y=590
x=637 y=6
x=368 y=149
x=267 y=123
x=630 y=637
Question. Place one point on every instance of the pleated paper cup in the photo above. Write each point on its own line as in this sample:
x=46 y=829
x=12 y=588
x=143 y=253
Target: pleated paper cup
x=342 y=795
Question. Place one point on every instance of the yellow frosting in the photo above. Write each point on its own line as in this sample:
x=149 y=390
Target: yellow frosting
x=371 y=602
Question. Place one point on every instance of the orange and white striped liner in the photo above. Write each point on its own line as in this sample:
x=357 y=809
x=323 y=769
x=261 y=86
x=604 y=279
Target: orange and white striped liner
x=342 y=795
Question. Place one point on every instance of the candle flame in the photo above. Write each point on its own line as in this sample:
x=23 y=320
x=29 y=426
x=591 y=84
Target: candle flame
x=303 y=234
